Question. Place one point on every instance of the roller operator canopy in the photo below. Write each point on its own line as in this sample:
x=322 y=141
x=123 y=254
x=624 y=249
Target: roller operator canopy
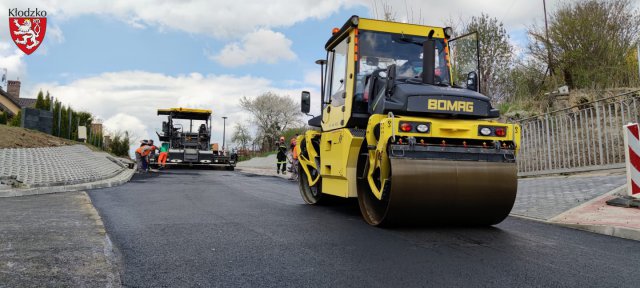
x=186 y=113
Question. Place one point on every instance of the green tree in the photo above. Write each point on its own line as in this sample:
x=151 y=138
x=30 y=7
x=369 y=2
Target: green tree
x=16 y=119
x=241 y=135
x=3 y=118
x=495 y=55
x=120 y=144
x=64 y=122
x=526 y=79
x=57 y=106
x=47 y=102
x=272 y=113
x=40 y=101
x=590 y=43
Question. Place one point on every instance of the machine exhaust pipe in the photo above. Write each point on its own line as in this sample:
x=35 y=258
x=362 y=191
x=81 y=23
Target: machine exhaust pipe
x=428 y=61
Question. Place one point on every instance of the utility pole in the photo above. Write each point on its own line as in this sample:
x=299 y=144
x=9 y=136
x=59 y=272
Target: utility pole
x=638 y=59
x=224 y=132
x=546 y=30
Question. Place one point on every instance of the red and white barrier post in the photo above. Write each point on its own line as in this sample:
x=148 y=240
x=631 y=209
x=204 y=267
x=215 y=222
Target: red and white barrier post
x=632 y=153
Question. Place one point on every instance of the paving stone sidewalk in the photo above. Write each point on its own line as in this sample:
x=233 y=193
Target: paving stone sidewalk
x=51 y=166
x=546 y=197
x=261 y=166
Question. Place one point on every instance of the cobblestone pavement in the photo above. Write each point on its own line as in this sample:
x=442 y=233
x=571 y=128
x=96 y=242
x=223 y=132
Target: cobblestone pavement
x=546 y=197
x=35 y=167
x=268 y=162
x=54 y=240
x=265 y=166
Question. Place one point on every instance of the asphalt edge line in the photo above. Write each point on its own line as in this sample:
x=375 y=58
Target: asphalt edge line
x=248 y=172
x=529 y=218
x=616 y=231
x=114 y=280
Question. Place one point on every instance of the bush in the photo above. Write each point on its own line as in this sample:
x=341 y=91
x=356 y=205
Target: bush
x=15 y=120
x=3 y=118
x=120 y=144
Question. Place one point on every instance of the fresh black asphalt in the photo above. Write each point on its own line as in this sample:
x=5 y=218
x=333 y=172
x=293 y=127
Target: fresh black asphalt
x=189 y=228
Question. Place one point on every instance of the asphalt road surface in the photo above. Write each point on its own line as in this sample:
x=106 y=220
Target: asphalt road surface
x=188 y=228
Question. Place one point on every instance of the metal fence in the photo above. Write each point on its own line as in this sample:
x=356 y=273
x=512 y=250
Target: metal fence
x=579 y=138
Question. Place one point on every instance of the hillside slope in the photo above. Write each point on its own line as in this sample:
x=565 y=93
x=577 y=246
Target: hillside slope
x=16 y=137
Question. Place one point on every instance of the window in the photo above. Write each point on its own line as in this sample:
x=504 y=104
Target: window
x=464 y=56
x=378 y=50
x=338 y=72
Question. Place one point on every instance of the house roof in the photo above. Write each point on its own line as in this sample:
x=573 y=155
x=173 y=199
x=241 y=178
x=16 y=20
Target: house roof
x=8 y=96
x=22 y=102
x=26 y=102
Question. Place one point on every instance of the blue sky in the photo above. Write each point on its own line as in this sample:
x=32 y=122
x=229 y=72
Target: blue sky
x=122 y=59
x=112 y=45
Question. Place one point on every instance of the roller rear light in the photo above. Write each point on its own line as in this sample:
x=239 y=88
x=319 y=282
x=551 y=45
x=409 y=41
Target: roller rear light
x=495 y=131
x=415 y=127
x=406 y=127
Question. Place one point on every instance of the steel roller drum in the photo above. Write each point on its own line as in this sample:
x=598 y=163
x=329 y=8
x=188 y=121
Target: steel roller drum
x=435 y=192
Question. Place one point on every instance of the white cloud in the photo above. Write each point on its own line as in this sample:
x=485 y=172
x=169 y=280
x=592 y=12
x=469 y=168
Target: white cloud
x=219 y=18
x=513 y=13
x=312 y=77
x=134 y=126
x=128 y=100
x=260 y=46
x=54 y=33
x=11 y=58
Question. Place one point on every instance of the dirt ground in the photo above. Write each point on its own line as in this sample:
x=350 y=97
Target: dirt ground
x=16 y=137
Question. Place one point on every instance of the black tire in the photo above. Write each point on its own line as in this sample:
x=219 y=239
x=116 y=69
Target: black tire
x=372 y=209
x=311 y=195
x=230 y=168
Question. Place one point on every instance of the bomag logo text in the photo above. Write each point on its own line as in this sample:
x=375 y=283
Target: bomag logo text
x=448 y=105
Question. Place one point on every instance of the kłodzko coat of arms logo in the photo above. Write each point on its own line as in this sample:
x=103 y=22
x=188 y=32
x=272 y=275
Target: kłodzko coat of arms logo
x=27 y=28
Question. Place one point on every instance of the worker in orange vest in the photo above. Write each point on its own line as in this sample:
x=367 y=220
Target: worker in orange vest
x=146 y=152
x=294 y=163
x=140 y=159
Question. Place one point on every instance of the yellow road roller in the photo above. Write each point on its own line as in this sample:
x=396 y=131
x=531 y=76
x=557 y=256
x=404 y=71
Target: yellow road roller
x=403 y=128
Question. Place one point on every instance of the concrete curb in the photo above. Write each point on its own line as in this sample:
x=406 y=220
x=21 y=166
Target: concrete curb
x=621 y=232
x=119 y=179
x=617 y=231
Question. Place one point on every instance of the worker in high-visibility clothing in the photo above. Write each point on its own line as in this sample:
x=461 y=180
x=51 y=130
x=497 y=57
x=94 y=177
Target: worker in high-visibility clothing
x=294 y=163
x=140 y=159
x=146 y=152
x=282 y=157
x=162 y=158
